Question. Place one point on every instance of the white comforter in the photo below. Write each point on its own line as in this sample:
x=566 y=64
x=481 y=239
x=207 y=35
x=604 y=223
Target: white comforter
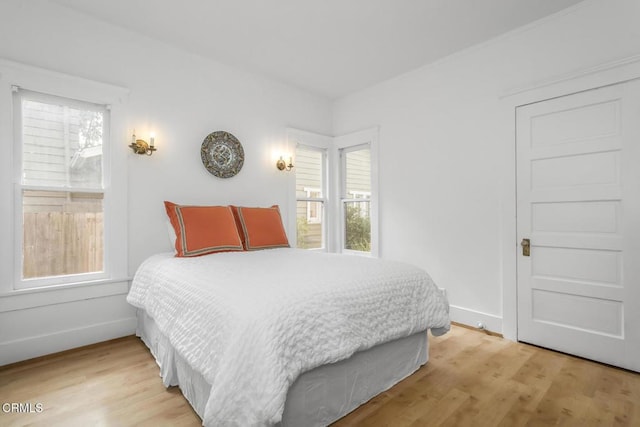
x=251 y=322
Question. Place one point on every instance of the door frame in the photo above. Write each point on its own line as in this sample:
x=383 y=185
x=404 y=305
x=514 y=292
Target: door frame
x=606 y=74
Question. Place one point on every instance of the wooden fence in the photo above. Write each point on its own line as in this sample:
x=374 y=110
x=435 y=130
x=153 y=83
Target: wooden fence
x=61 y=243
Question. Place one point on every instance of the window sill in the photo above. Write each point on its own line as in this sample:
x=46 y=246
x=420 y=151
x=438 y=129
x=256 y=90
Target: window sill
x=357 y=253
x=21 y=299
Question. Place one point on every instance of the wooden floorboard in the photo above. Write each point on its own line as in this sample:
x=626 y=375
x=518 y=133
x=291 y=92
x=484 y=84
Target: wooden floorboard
x=472 y=379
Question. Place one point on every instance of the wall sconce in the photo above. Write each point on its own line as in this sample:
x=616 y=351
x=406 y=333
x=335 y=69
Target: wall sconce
x=282 y=165
x=140 y=146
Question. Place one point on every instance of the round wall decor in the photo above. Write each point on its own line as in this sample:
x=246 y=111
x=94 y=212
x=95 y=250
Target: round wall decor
x=222 y=154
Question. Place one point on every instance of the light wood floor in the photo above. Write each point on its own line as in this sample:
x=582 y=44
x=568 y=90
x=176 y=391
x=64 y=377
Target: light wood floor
x=472 y=379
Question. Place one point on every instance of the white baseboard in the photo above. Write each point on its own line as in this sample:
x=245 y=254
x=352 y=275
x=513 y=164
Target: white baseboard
x=28 y=348
x=471 y=318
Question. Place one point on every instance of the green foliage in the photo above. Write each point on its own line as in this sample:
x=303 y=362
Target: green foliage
x=358 y=232
x=302 y=228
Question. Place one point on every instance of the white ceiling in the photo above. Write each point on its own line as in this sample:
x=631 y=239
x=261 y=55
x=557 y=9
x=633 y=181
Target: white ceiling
x=328 y=47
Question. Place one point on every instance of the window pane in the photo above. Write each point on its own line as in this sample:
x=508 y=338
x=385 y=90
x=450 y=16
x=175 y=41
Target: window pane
x=357 y=222
x=309 y=221
x=62 y=145
x=62 y=233
x=358 y=174
x=308 y=173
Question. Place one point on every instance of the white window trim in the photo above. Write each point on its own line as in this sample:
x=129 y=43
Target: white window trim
x=13 y=74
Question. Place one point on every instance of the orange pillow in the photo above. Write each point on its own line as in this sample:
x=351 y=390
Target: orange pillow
x=202 y=230
x=236 y=217
x=260 y=228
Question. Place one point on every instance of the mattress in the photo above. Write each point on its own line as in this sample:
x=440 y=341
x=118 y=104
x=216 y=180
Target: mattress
x=318 y=397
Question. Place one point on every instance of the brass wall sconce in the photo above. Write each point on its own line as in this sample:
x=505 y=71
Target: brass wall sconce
x=282 y=165
x=140 y=146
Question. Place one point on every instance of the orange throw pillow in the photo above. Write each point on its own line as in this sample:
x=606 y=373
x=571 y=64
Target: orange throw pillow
x=202 y=230
x=236 y=217
x=260 y=228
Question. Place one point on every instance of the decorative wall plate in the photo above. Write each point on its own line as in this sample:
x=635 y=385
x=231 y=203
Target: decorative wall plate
x=222 y=154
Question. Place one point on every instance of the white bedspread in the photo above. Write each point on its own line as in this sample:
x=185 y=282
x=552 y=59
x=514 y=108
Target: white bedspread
x=251 y=322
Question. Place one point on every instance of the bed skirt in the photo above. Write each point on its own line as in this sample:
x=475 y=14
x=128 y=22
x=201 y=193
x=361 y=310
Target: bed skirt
x=318 y=397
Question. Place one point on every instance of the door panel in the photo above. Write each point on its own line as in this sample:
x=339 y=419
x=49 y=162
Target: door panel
x=578 y=193
x=592 y=265
x=578 y=124
x=588 y=314
x=576 y=170
x=576 y=217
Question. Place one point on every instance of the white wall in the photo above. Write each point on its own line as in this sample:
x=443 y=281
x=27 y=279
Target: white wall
x=182 y=97
x=447 y=189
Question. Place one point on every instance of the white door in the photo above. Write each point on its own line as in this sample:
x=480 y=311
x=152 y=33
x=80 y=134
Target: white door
x=578 y=193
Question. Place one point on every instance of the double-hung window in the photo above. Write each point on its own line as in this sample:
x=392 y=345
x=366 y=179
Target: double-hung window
x=355 y=183
x=60 y=193
x=311 y=183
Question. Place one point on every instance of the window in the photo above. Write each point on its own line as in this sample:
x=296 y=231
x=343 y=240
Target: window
x=61 y=190
x=355 y=181
x=310 y=197
x=336 y=191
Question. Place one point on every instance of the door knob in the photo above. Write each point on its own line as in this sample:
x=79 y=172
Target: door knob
x=526 y=247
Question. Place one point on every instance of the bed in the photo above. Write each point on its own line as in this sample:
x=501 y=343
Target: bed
x=258 y=334
x=283 y=336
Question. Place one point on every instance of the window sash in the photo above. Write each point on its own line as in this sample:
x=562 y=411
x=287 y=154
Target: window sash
x=344 y=190
x=49 y=280
x=365 y=240
x=303 y=239
x=21 y=96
